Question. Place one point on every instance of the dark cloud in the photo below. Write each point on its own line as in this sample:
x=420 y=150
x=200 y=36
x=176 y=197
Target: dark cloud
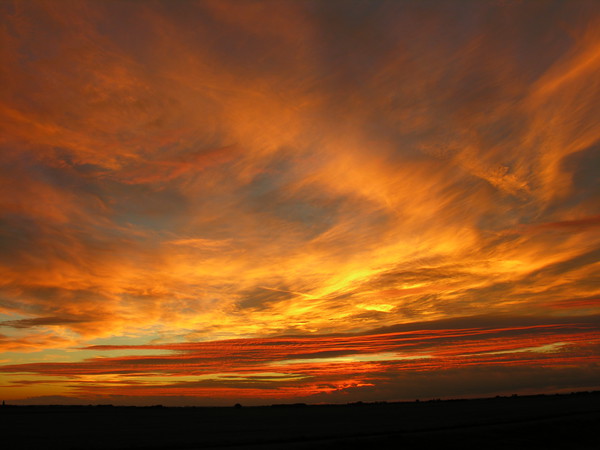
x=42 y=321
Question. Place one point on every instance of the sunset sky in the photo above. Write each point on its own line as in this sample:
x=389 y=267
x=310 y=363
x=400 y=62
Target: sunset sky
x=211 y=202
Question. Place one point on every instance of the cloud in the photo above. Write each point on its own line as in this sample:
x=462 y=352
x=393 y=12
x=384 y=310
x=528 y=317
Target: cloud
x=42 y=321
x=204 y=171
x=305 y=367
x=34 y=342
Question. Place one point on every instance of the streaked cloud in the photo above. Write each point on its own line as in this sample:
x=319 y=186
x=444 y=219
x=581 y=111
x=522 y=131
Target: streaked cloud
x=216 y=171
x=307 y=367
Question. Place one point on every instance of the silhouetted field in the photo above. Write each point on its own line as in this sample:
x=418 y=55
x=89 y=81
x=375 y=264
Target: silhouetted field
x=549 y=422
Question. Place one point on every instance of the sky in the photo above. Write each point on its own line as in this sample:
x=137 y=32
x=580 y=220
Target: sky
x=213 y=202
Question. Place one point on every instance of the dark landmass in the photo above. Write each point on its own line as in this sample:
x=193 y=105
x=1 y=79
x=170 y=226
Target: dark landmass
x=517 y=422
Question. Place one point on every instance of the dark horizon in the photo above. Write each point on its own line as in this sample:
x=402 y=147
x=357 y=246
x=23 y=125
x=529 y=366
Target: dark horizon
x=101 y=403
x=515 y=422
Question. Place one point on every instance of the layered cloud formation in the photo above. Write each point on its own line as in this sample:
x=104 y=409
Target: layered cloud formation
x=175 y=175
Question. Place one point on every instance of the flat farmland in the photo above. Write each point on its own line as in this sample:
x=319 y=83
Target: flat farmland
x=550 y=422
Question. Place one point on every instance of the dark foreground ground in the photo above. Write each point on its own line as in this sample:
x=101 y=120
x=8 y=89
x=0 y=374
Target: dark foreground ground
x=547 y=422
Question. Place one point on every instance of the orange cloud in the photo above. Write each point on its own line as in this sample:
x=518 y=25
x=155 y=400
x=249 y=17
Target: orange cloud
x=288 y=367
x=185 y=171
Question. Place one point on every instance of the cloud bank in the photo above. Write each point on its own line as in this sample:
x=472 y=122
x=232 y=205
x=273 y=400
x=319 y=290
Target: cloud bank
x=202 y=171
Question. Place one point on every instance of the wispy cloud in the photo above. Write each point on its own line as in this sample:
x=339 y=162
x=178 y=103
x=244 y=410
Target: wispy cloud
x=291 y=367
x=199 y=171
